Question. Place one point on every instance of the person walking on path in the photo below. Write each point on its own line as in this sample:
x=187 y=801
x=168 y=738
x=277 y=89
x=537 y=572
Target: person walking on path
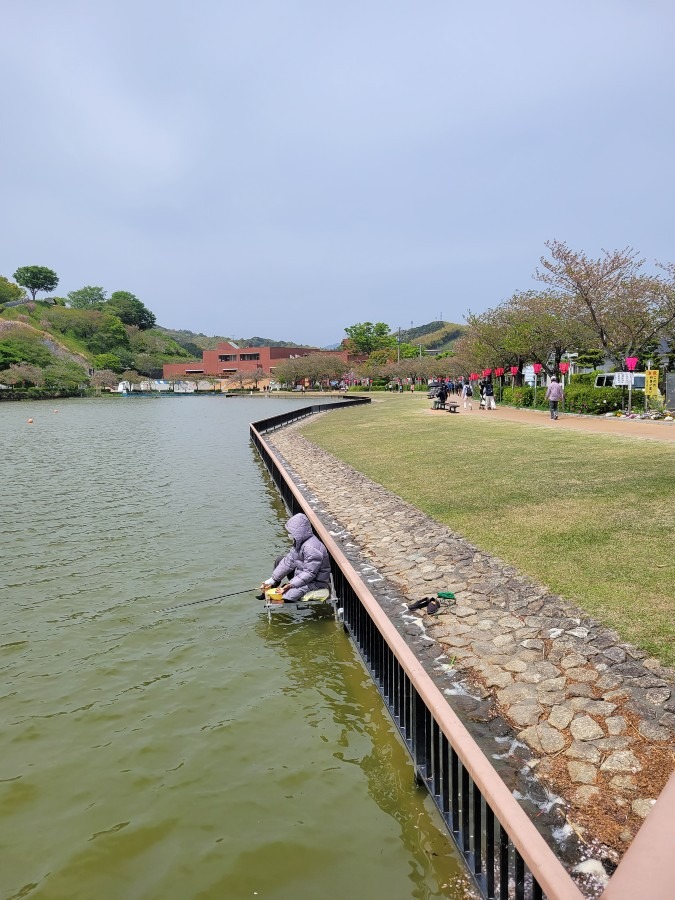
x=467 y=394
x=554 y=394
x=489 y=395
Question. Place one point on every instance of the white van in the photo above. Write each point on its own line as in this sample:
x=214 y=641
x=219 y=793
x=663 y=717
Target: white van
x=621 y=379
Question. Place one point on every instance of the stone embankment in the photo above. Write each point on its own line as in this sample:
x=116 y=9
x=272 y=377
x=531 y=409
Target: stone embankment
x=594 y=716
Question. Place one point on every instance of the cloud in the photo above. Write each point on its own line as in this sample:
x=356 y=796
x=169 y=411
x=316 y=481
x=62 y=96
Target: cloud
x=243 y=165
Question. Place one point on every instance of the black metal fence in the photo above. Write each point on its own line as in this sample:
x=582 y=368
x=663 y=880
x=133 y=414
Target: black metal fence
x=443 y=753
x=497 y=867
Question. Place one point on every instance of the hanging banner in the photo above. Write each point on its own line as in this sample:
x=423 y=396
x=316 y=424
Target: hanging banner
x=652 y=382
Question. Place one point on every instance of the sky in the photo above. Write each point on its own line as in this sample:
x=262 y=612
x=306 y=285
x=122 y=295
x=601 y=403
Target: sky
x=287 y=168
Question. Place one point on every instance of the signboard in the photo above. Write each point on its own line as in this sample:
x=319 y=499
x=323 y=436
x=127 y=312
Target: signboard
x=622 y=378
x=652 y=382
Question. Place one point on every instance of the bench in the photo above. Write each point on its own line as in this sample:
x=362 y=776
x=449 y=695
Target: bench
x=451 y=406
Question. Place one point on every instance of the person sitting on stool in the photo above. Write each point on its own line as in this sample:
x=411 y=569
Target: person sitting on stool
x=306 y=564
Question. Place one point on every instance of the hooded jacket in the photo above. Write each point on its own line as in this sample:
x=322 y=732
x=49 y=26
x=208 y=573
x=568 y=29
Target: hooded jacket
x=307 y=558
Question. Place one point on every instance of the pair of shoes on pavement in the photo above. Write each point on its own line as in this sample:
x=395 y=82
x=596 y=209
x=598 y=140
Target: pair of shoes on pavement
x=433 y=606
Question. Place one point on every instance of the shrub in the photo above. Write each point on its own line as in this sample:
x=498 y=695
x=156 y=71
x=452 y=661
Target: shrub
x=20 y=349
x=583 y=398
x=518 y=396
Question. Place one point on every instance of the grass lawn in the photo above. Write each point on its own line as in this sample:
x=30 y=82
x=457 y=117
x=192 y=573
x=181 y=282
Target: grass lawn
x=591 y=516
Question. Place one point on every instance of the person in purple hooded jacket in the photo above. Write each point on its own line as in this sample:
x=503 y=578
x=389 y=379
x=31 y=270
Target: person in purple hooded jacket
x=306 y=564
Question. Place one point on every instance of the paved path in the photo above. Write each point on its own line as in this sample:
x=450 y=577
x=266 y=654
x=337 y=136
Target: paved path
x=659 y=430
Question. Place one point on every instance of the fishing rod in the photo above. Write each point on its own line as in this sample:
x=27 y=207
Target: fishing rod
x=207 y=600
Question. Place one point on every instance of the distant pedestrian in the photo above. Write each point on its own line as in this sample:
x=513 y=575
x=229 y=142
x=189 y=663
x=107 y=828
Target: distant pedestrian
x=554 y=394
x=489 y=395
x=467 y=394
x=442 y=394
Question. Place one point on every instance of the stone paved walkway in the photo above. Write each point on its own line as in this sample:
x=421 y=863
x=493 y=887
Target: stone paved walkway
x=597 y=715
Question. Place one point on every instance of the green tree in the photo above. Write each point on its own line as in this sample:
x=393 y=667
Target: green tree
x=110 y=337
x=364 y=337
x=16 y=350
x=590 y=358
x=108 y=361
x=10 y=292
x=36 y=278
x=65 y=375
x=130 y=310
x=88 y=297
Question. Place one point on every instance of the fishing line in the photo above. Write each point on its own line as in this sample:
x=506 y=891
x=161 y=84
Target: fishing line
x=207 y=600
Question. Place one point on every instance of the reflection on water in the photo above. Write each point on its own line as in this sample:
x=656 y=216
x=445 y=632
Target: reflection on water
x=201 y=753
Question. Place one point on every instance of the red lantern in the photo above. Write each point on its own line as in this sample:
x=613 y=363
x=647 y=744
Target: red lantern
x=514 y=370
x=564 y=368
x=487 y=372
x=499 y=372
x=631 y=363
x=536 y=367
x=474 y=376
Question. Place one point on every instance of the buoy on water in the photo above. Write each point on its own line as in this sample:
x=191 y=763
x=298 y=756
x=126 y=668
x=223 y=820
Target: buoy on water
x=30 y=421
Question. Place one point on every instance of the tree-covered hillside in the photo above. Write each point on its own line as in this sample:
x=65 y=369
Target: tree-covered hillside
x=44 y=344
x=434 y=336
x=196 y=342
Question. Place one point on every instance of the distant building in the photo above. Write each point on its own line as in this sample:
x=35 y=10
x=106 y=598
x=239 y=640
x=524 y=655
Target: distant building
x=228 y=358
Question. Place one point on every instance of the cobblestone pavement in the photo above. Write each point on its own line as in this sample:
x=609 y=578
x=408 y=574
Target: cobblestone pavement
x=595 y=715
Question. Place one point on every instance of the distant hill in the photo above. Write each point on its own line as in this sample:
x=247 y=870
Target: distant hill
x=196 y=342
x=434 y=336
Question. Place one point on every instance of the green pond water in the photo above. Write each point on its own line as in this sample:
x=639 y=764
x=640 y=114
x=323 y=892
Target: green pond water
x=203 y=753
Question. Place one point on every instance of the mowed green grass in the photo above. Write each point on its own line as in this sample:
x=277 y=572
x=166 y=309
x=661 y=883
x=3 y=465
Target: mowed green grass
x=591 y=516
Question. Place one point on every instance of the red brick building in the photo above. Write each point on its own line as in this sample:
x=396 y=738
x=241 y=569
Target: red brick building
x=228 y=358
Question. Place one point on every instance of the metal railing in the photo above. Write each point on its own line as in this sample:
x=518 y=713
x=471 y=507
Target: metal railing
x=507 y=858
x=273 y=422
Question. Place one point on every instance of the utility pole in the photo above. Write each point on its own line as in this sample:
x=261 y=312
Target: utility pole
x=398 y=346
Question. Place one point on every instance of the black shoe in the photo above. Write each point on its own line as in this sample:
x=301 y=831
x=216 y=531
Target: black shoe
x=419 y=604
x=434 y=608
